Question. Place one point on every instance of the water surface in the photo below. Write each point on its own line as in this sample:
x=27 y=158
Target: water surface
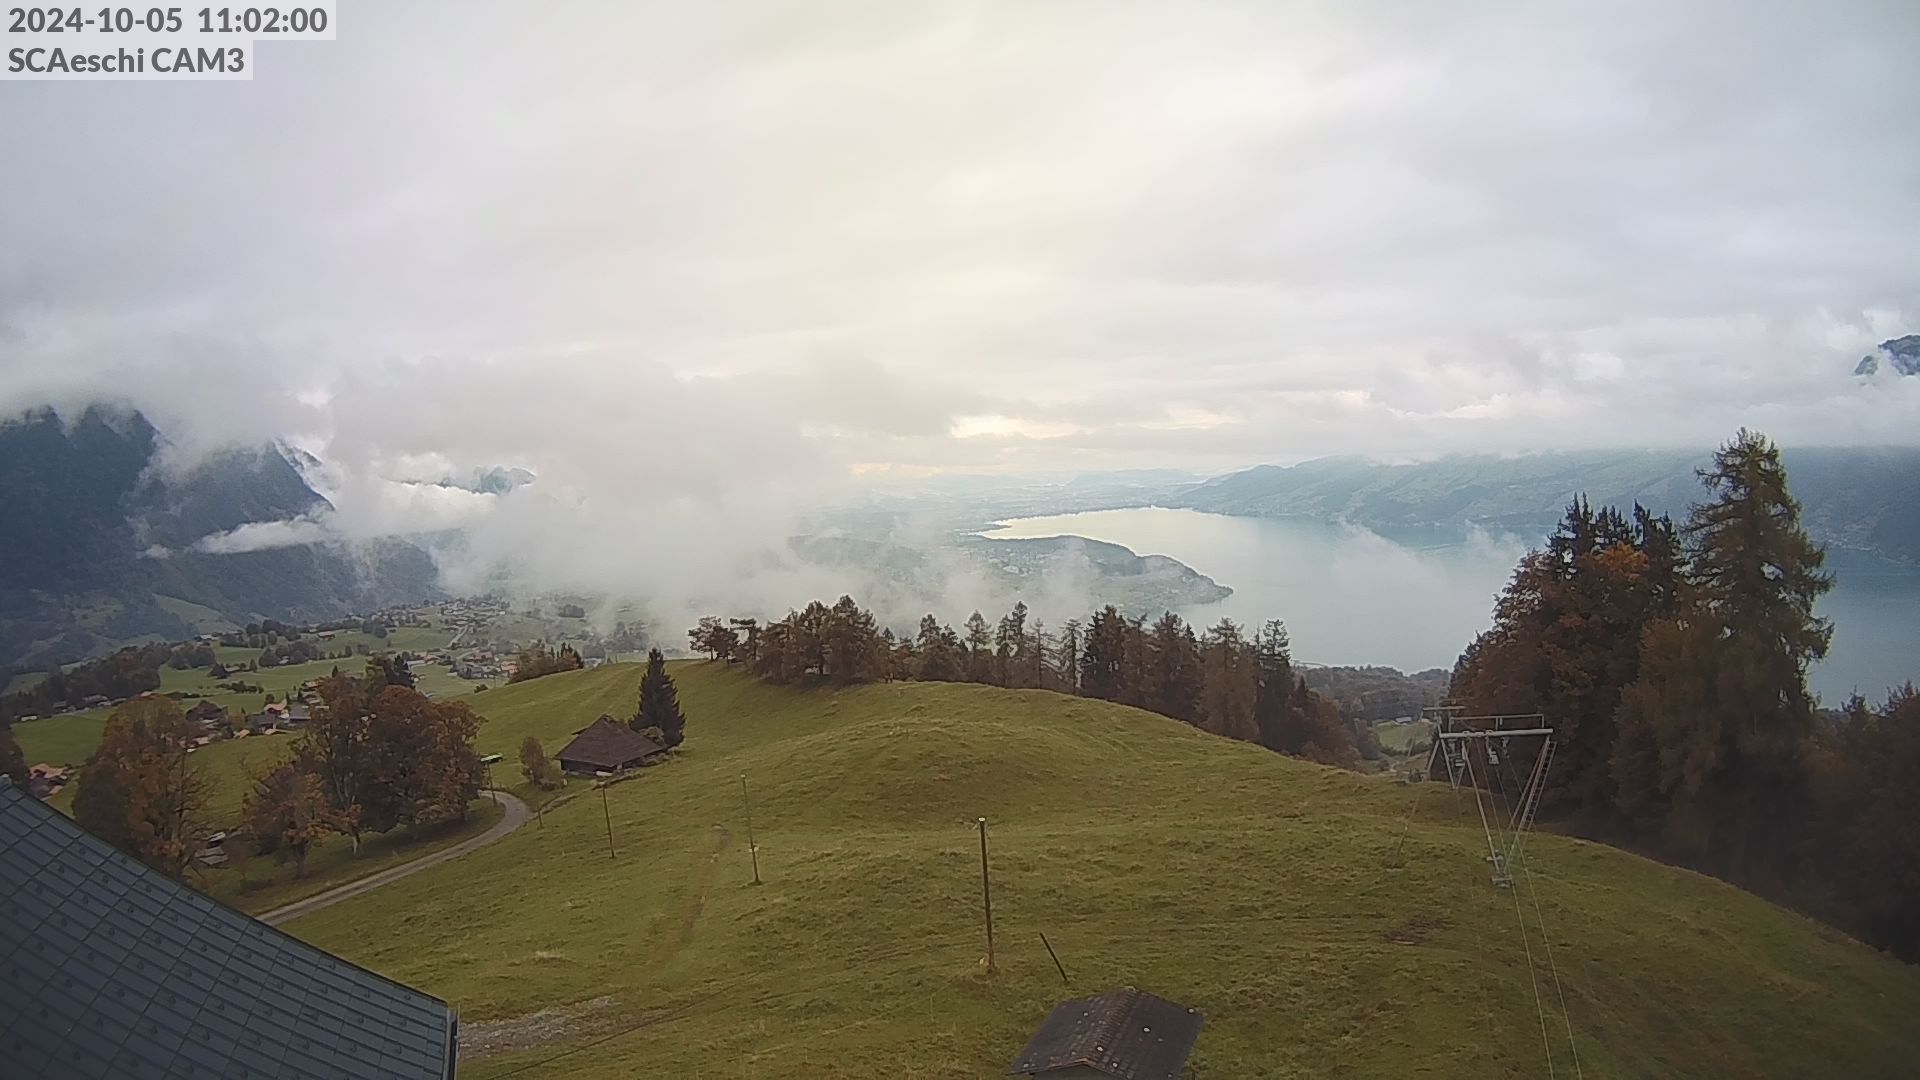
x=1414 y=598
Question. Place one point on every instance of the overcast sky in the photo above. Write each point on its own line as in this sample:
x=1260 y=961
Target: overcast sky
x=754 y=246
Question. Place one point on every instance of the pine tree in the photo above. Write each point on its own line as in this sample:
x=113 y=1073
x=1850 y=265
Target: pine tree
x=1713 y=741
x=660 y=702
x=1102 y=655
x=1068 y=652
x=1172 y=678
x=940 y=652
x=979 y=642
x=1010 y=647
x=1229 y=681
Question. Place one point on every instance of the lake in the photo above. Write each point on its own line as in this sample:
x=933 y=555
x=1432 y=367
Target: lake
x=1413 y=599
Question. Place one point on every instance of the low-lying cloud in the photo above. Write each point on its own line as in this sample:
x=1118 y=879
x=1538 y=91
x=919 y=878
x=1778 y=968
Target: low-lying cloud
x=702 y=268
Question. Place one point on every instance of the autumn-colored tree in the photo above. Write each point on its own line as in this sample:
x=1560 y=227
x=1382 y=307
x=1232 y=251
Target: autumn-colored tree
x=422 y=766
x=140 y=792
x=660 y=703
x=538 y=768
x=335 y=749
x=285 y=813
x=1566 y=640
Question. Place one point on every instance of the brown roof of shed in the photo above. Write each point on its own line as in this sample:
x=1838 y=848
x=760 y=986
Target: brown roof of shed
x=1127 y=1033
x=608 y=744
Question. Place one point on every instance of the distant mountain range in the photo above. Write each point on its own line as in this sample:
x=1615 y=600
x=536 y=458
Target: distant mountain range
x=104 y=547
x=1862 y=498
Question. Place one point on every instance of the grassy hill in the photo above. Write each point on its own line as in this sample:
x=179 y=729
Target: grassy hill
x=1258 y=889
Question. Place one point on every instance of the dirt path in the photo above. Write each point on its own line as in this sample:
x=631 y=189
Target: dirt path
x=515 y=815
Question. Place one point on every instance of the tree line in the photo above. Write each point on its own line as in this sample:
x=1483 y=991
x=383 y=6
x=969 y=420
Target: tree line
x=1671 y=661
x=540 y=659
x=1225 y=680
x=123 y=673
x=376 y=756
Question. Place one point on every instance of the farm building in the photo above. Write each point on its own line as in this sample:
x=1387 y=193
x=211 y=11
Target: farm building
x=1124 y=1033
x=110 y=969
x=607 y=745
x=210 y=718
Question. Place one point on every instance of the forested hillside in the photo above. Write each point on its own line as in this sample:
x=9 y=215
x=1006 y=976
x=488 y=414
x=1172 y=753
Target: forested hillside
x=103 y=547
x=1859 y=497
x=1671 y=661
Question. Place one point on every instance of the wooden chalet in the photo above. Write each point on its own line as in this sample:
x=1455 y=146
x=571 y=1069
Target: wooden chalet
x=606 y=746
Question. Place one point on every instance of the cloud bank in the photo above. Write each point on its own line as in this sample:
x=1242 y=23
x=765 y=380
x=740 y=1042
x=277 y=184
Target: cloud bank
x=698 y=266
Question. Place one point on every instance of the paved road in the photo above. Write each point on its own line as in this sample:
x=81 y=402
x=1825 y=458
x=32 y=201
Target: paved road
x=515 y=816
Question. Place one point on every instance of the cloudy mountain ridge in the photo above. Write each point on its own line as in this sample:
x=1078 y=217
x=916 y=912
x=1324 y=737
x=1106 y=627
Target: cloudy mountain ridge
x=107 y=543
x=1865 y=498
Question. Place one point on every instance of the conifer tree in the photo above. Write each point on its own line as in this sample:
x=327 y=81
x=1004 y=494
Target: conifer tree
x=1172 y=679
x=1713 y=740
x=979 y=642
x=660 y=702
x=1102 y=656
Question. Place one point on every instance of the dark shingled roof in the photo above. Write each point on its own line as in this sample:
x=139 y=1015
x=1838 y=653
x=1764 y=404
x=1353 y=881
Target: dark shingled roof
x=1128 y=1034
x=110 y=970
x=206 y=711
x=608 y=744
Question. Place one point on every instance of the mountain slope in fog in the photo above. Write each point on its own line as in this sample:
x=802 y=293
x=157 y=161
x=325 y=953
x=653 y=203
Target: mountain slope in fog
x=1867 y=498
x=104 y=546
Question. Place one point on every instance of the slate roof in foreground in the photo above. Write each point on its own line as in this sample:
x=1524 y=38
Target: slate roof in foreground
x=1127 y=1033
x=111 y=970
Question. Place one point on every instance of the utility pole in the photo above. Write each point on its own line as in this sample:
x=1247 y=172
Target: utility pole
x=609 y=815
x=752 y=851
x=986 y=892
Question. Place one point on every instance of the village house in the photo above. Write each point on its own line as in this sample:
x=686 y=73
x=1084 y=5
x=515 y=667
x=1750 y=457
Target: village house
x=607 y=745
x=1125 y=1033
x=212 y=720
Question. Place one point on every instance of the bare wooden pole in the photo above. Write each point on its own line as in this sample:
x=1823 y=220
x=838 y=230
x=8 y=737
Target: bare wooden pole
x=1064 y=981
x=986 y=892
x=609 y=815
x=753 y=852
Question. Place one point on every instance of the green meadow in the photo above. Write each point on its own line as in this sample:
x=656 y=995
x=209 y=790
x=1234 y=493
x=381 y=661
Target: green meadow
x=1327 y=923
